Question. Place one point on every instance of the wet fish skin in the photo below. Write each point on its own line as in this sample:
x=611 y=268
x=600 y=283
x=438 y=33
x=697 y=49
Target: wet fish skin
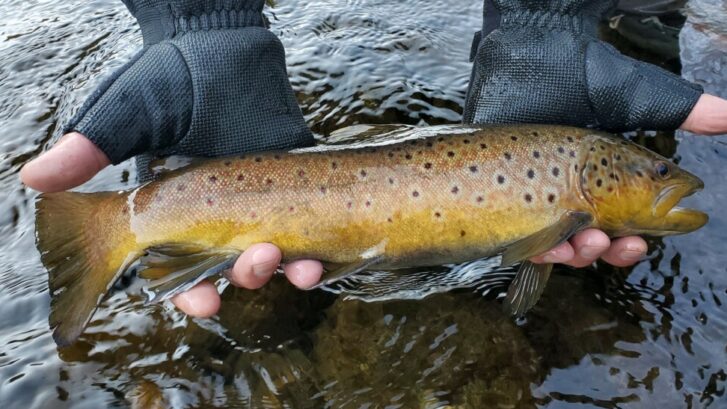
x=464 y=193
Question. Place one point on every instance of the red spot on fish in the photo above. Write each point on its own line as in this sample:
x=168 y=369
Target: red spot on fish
x=181 y=188
x=269 y=181
x=253 y=215
x=349 y=204
x=291 y=209
x=210 y=202
x=301 y=173
x=323 y=189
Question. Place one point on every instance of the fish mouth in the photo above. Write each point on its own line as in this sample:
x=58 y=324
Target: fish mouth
x=675 y=219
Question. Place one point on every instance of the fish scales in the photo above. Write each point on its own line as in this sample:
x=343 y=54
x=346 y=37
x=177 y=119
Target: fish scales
x=457 y=194
x=422 y=201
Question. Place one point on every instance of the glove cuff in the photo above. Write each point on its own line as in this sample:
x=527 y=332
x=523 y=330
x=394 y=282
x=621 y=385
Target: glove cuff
x=164 y=19
x=569 y=15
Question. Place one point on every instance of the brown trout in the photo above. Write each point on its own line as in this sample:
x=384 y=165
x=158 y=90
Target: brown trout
x=455 y=193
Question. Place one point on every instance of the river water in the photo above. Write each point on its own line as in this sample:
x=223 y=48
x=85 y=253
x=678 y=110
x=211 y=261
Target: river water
x=651 y=336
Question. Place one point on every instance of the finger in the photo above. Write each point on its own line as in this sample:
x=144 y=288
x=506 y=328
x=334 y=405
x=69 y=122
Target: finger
x=626 y=251
x=304 y=274
x=71 y=162
x=202 y=301
x=708 y=117
x=562 y=253
x=589 y=245
x=255 y=266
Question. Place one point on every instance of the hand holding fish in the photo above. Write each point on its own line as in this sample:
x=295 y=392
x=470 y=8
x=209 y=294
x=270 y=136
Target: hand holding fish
x=112 y=127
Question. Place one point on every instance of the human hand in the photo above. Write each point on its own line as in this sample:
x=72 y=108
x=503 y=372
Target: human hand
x=541 y=62
x=209 y=82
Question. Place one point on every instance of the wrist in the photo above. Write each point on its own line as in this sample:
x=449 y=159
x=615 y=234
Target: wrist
x=164 y=19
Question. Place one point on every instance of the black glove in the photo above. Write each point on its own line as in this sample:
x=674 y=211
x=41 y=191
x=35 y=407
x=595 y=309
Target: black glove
x=542 y=62
x=210 y=81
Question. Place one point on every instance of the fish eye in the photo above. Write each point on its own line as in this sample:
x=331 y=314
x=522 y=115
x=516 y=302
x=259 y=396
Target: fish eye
x=662 y=169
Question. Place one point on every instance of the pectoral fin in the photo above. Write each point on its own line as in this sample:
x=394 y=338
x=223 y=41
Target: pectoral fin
x=527 y=287
x=176 y=268
x=544 y=240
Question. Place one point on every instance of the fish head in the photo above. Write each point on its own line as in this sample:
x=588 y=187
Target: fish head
x=633 y=190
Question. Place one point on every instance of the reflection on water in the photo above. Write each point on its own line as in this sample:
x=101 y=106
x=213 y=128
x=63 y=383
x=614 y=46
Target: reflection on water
x=652 y=336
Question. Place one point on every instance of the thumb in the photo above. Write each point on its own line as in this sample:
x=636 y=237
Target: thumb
x=71 y=162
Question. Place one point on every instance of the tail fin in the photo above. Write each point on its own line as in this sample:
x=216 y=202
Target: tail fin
x=85 y=243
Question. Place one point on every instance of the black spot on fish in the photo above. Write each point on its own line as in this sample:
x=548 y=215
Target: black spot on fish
x=593 y=149
x=210 y=202
x=473 y=169
x=181 y=188
x=413 y=143
x=301 y=173
x=604 y=162
x=570 y=138
x=514 y=138
x=334 y=165
x=599 y=182
x=429 y=144
x=408 y=156
x=603 y=148
x=612 y=175
x=639 y=174
x=551 y=198
x=483 y=146
x=269 y=181
x=595 y=168
x=323 y=190
x=389 y=220
x=240 y=177
x=556 y=171
x=500 y=179
x=535 y=133
x=363 y=173
x=213 y=179
x=572 y=154
x=277 y=157
x=427 y=165
x=349 y=205
x=391 y=154
x=508 y=156
x=455 y=190
x=415 y=193
x=536 y=154
x=462 y=233
x=440 y=139
x=575 y=167
x=466 y=141
x=391 y=181
x=228 y=163
x=258 y=159
x=617 y=157
x=531 y=174
x=450 y=154
x=437 y=214
x=528 y=197
x=561 y=149
x=368 y=204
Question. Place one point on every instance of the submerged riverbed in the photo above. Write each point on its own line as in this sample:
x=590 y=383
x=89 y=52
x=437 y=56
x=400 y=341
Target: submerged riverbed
x=651 y=336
